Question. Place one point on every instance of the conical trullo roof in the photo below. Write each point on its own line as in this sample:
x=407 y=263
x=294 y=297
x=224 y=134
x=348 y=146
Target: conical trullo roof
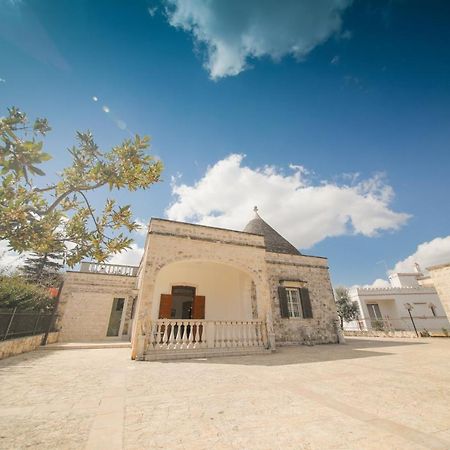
x=273 y=240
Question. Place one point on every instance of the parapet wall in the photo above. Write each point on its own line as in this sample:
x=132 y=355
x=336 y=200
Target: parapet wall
x=205 y=233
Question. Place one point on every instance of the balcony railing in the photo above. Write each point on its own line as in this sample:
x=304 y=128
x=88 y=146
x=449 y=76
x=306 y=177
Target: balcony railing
x=178 y=334
x=109 y=269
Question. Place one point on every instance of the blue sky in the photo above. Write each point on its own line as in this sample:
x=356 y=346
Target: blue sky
x=357 y=101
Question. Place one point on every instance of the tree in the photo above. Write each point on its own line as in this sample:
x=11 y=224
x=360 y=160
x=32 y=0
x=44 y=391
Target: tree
x=43 y=269
x=57 y=216
x=15 y=292
x=346 y=309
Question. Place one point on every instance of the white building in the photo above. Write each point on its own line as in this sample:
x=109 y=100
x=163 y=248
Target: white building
x=411 y=300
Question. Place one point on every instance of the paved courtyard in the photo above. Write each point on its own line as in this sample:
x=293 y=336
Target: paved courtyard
x=368 y=394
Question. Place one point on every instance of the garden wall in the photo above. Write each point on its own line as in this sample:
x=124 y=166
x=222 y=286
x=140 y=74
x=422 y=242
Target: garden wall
x=17 y=346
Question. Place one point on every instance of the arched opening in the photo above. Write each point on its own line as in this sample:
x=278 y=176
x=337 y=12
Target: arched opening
x=203 y=290
x=206 y=306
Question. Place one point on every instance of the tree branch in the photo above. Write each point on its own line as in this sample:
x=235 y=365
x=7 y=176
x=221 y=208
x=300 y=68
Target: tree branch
x=91 y=212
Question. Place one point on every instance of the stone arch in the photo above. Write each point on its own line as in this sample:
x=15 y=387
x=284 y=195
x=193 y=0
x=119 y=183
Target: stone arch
x=165 y=251
x=236 y=264
x=255 y=281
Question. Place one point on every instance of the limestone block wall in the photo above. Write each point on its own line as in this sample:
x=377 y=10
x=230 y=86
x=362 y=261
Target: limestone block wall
x=86 y=302
x=313 y=271
x=12 y=347
x=440 y=276
x=170 y=242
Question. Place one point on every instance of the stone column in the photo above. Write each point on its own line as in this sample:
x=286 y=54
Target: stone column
x=339 y=332
x=142 y=321
x=263 y=295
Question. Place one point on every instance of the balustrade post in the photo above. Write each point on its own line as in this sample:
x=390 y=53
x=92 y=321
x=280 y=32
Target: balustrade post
x=153 y=331
x=169 y=340
x=239 y=333
x=196 y=335
x=233 y=328
x=177 y=335
x=183 y=331
x=244 y=334
x=229 y=341
x=210 y=338
x=252 y=334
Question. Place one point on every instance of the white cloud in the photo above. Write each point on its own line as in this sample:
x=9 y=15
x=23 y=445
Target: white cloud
x=143 y=223
x=152 y=10
x=304 y=212
x=378 y=283
x=436 y=251
x=9 y=259
x=235 y=31
x=131 y=257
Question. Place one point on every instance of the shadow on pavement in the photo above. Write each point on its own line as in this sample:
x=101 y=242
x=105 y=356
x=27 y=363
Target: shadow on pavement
x=302 y=354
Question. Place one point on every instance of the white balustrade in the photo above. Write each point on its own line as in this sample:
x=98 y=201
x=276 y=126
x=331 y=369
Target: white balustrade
x=177 y=334
x=109 y=269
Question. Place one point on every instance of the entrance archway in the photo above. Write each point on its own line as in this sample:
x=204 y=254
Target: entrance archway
x=217 y=292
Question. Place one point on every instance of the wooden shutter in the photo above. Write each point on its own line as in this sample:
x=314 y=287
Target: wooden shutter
x=282 y=297
x=165 y=306
x=198 y=307
x=306 y=303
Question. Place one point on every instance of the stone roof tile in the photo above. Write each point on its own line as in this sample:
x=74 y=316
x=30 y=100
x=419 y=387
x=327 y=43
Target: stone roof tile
x=273 y=240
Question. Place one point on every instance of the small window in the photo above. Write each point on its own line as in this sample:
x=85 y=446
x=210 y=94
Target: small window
x=293 y=302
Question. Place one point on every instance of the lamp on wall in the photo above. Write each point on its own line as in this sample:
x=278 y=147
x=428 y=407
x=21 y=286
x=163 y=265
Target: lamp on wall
x=410 y=307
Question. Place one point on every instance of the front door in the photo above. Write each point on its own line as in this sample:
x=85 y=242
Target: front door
x=182 y=304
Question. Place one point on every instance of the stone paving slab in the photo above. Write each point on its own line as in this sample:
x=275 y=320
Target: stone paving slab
x=368 y=394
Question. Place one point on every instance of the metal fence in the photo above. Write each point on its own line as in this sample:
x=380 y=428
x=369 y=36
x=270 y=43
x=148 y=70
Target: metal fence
x=15 y=323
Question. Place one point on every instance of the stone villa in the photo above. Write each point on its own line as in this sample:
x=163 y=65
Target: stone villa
x=202 y=291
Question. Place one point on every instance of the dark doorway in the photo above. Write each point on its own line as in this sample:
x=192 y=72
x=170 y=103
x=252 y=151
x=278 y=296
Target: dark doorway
x=115 y=317
x=182 y=301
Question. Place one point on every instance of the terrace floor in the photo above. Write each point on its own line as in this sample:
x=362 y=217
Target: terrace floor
x=368 y=394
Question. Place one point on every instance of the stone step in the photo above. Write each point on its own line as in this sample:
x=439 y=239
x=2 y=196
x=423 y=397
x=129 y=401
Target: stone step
x=86 y=345
x=164 y=355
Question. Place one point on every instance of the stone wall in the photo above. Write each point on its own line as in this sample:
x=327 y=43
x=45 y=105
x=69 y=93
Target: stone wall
x=171 y=242
x=86 y=302
x=373 y=333
x=440 y=276
x=17 y=346
x=313 y=273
